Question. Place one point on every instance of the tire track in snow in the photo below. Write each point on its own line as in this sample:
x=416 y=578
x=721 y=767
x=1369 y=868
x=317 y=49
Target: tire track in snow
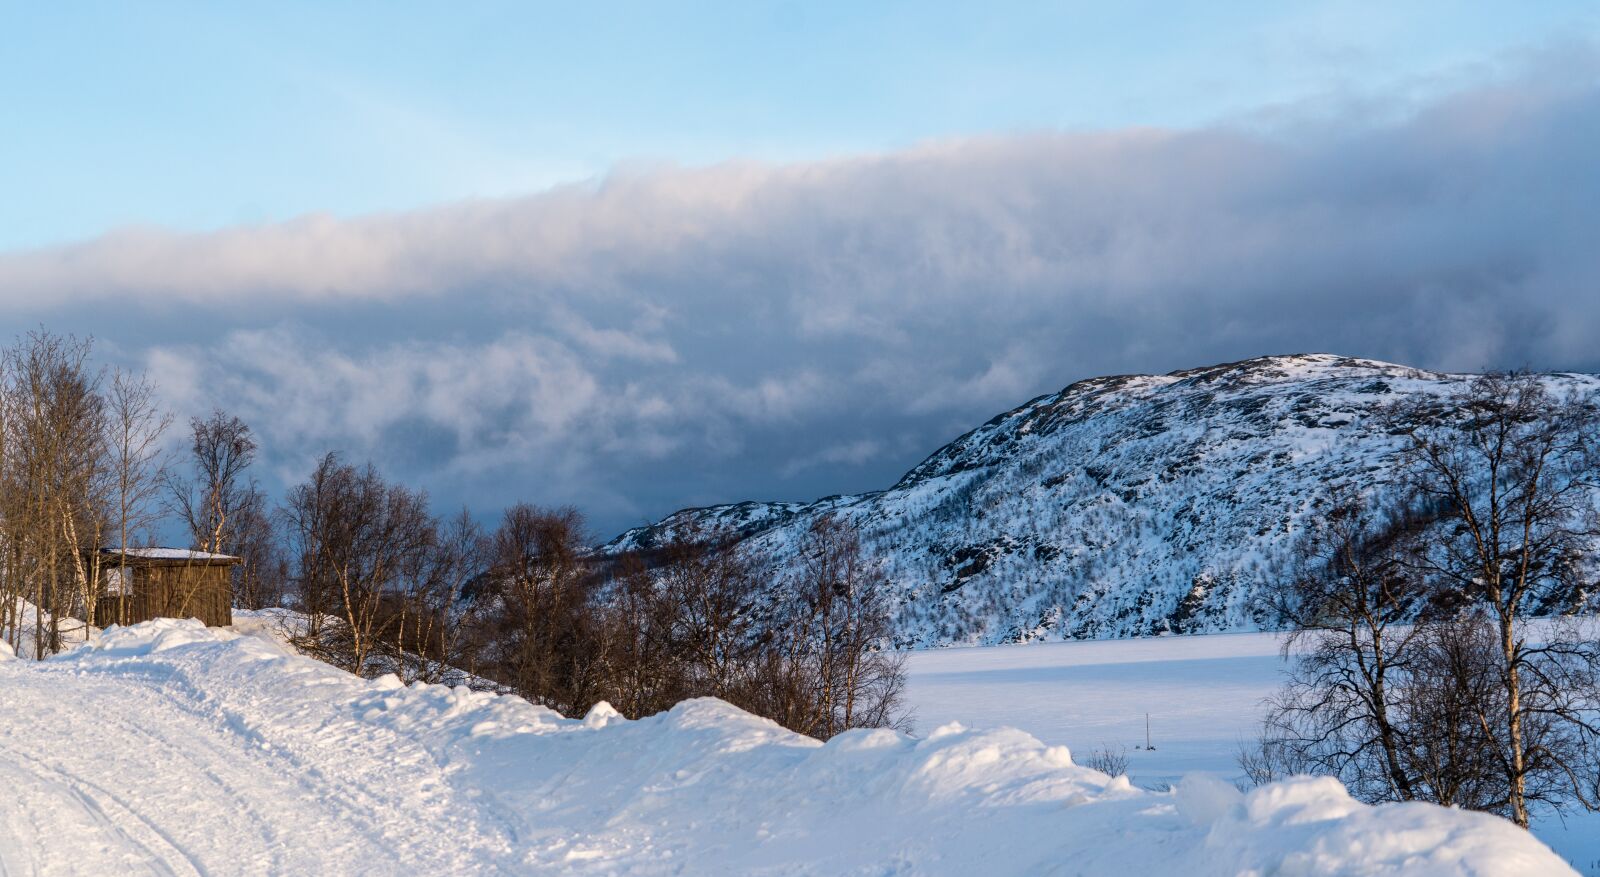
x=202 y=779
x=134 y=766
x=330 y=757
x=65 y=827
x=132 y=798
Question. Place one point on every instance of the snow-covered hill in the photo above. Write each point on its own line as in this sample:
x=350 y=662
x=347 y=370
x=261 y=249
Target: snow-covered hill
x=1121 y=506
x=170 y=748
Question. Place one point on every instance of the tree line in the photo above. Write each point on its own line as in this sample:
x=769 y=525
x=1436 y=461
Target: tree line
x=1439 y=646
x=382 y=586
x=378 y=583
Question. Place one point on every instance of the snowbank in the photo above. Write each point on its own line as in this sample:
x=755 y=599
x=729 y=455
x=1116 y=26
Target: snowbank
x=232 y=756
x=277 y=627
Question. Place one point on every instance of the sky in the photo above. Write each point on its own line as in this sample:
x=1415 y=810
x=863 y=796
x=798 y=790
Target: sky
x=640 y=257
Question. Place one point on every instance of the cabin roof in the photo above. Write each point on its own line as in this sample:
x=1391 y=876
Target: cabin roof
x=170 y=557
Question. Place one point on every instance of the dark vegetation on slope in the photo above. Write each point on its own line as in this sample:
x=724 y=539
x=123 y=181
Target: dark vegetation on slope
x=1122 y=506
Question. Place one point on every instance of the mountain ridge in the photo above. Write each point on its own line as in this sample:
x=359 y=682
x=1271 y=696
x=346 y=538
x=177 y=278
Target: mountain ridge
x=1122 y=505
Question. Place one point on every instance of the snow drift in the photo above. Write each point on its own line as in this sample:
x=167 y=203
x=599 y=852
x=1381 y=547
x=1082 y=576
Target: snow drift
x=171 y=748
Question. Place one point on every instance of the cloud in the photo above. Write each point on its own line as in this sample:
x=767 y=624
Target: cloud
x=667 y=336
x=532 y=404
x=853 y=453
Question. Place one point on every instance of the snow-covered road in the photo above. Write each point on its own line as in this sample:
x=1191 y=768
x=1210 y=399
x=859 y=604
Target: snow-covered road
x=128 y=766
x=168 y=748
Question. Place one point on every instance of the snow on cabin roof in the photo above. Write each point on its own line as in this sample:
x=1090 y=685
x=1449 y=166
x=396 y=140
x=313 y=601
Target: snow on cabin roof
x=171 y=554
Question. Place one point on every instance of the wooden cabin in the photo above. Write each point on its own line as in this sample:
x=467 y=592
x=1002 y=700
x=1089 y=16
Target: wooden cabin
x=139 y=584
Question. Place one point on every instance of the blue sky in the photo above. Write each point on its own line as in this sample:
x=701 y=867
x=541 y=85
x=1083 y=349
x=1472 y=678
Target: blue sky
x=205 y=115
x=636 y=258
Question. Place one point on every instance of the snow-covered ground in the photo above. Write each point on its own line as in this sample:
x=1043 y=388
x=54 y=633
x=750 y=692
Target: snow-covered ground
x=1202 y=695
x=26 y=639
x=168 y=748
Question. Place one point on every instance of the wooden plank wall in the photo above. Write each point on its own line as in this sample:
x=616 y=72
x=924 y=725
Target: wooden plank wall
x=203 y=592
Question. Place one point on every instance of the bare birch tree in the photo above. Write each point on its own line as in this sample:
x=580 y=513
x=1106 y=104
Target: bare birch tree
x=54 y=480
x=221 y=449
x=363 y=542
x=550 y=643
x=1369 y=687
x=134 y=426
x=262 y=578
x=433 y=638
x=841 y=633
x=1503 y=464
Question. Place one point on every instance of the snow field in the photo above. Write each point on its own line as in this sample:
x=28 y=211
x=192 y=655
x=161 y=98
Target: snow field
x=1203 y=695
x=168 y=748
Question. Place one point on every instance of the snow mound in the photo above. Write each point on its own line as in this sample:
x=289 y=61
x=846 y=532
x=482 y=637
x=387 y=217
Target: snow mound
x=276 y=627
x=215 y=752
x=1311 y=825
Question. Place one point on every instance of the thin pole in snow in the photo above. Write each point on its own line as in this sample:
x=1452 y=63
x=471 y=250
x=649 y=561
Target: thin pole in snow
x=1147 y=732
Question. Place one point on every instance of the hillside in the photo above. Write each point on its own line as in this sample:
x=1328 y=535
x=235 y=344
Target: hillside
x=1122 y=506
x=170 y=748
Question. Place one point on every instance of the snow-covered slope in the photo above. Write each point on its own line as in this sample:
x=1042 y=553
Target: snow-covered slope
x=168 y=748
x=1121 y=506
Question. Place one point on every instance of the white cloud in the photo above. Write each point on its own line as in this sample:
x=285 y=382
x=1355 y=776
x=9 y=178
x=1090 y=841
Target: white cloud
x=852 y=453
